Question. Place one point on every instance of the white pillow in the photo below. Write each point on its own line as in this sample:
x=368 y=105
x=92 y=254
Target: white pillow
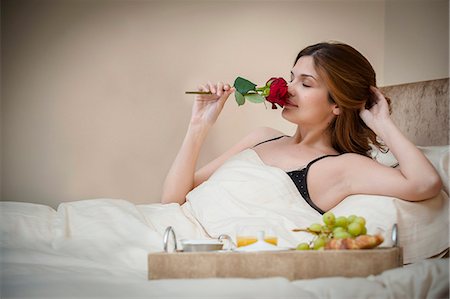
x=439 y=157
x=26 y=224
x=423 y=226
x=108 y=231
x=385 y=158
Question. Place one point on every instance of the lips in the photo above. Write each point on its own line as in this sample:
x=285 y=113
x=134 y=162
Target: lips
x=289 y=103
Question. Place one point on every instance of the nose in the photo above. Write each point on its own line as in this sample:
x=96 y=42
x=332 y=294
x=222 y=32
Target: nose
x=290 y=89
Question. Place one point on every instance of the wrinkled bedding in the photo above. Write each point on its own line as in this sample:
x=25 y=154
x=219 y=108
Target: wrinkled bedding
x=57 y=277
x=98 y=249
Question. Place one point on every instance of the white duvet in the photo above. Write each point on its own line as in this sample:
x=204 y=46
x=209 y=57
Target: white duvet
x=98 y=248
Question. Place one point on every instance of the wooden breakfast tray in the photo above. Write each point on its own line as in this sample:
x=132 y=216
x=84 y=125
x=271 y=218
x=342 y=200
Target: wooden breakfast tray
x=290 y=264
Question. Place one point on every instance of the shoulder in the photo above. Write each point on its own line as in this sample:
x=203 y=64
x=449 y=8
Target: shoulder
x=262 y=134
x=266 y=132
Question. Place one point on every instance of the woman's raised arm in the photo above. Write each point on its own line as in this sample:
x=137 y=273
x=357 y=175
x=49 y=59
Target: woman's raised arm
x=205 y=111
x=416 y=178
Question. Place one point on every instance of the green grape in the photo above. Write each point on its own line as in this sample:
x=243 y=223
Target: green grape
x=364 y=230
x=334 y=227
x=338 y=229
x=303 y=246
x=351 y=218
x=341 y=221
x=319 y=243
x=354 y=229
x=329 y=218
x=315 y=227
x=341 y=235
x=360 y=220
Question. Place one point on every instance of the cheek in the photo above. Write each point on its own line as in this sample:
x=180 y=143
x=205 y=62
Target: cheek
x=318 y=100
x=319 y=96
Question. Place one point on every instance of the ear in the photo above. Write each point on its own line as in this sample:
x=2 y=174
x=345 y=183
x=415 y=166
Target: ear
x=336 y=110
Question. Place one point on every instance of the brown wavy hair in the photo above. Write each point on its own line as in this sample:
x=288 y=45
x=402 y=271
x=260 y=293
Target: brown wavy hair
x=348 y=76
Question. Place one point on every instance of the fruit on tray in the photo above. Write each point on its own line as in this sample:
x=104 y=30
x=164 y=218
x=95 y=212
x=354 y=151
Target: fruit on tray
x=360 y=242
x=340 y=233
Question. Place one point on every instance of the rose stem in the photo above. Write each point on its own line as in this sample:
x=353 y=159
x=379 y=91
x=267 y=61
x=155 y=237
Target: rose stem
x=198 y=92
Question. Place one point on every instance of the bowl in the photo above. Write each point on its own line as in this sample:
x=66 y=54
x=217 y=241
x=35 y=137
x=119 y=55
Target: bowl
x=201 y=245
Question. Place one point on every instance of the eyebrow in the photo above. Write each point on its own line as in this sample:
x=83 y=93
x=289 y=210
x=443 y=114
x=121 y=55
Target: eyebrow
x=304 y=75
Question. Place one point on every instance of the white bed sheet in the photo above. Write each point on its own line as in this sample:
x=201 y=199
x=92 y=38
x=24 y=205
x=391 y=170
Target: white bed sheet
x=33 y=274
x=28 y=273
x=98 y=249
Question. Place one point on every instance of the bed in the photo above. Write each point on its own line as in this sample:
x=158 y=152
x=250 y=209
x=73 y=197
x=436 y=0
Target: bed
x=98 y=248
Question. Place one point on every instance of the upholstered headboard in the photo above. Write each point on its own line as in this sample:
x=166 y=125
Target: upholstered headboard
x=420 y=110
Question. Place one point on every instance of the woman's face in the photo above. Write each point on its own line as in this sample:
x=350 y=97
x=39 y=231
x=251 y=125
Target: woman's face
x=308 y=104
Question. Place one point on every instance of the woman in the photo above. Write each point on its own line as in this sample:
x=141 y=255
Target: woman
x=338 y=112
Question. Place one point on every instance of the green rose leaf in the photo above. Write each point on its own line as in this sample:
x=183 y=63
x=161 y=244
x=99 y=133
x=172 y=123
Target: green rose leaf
x=243 y=86
x=254 y=98
x=240 y=99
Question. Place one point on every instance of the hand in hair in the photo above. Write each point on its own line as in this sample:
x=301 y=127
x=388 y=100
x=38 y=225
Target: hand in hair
x=378 y=113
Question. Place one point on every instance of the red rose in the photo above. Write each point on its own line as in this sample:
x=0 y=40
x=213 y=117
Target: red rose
x=278 y=92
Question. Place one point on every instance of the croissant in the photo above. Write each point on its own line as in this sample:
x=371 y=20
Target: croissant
x=360 y=242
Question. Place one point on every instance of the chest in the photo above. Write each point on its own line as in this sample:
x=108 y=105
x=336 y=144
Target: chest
x=285 y=157
x=322 y=182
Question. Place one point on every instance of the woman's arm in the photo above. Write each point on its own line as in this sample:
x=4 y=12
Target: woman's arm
x=182 y=176
x=415 y=180
x=205 y=111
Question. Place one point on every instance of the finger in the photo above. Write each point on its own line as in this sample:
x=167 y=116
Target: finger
x=219 y=88
x=364 y=113
x=203 y=88
x=377 y=92
x=380 y=99
x=212 y=88
x=226 y=95
x=229 y=90
x=202 y=97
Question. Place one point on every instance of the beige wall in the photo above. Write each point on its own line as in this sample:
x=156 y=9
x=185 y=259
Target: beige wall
x=416 y=40
x=92 y=91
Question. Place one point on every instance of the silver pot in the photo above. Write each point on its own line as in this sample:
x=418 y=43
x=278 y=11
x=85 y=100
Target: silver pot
x=196 y=245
